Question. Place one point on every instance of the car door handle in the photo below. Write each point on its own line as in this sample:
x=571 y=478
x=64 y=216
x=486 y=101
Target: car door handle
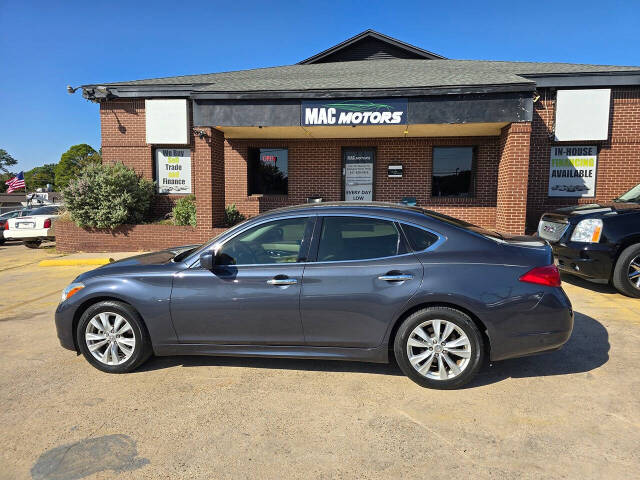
x=396 y=278
x=279 y=282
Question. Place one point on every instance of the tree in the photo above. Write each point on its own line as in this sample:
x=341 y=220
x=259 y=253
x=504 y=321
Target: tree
x=72 y=162
x=38 y=177
x=6 y=160
x=3 y=178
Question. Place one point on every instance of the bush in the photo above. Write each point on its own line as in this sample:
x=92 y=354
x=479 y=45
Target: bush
x=184 y=213
x=105 y=196
x=232 y=216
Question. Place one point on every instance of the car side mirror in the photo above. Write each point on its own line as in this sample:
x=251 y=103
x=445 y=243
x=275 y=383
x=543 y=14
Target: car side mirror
x=207 y=259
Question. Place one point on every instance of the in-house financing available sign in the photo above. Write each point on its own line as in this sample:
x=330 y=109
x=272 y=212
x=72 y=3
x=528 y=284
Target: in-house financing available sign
x=173 y=170
x=572 y=171
x=386 y=111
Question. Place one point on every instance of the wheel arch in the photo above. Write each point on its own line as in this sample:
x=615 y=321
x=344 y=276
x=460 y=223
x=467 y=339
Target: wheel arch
x=420 y=306
x=92 y=301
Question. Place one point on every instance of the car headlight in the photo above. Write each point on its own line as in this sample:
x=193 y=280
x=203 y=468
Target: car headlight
x=588 y=231
x=71 y=290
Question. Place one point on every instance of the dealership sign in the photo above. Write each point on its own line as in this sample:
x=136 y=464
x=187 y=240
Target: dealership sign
x=173 y=170
x=572 y=171
x=389 y=111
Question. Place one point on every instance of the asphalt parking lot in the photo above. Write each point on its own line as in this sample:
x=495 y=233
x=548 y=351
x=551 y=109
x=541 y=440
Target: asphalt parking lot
x=573 y=413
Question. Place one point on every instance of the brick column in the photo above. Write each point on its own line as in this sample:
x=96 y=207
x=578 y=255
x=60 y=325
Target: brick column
x=513 y=173
x=209 y=178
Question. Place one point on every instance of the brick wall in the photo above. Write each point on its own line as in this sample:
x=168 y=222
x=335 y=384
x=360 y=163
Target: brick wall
x=513 y=178
x=122 y=126
x=126 y=238
x=618 y=166
x=315 y=169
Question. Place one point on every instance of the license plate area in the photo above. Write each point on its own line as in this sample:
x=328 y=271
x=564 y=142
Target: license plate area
x=26 y=224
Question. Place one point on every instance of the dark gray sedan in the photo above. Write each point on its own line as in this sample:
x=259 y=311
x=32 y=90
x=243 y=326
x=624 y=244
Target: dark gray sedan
x=333 y=281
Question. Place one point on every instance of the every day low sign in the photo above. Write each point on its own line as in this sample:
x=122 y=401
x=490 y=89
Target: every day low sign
x=386 y=111
x=173 y=170
x=572 y=171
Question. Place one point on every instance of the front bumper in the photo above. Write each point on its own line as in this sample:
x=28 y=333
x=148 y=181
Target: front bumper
x=593 y=261
x=64 y=325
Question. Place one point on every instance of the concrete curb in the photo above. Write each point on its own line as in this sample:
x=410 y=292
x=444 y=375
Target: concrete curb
x=74 y=262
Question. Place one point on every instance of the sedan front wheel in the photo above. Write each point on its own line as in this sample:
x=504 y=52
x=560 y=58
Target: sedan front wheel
x=439 y=347
x=112 y=337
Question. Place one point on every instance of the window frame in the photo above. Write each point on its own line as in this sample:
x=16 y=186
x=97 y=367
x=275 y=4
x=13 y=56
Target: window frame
x=315 y=241
x=474 y=171
x=304 y=247
x=250 y=175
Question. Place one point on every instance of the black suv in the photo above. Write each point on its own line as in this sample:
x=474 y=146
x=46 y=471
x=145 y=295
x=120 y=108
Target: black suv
x=598 y=241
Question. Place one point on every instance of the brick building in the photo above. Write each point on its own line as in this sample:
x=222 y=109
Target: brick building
x=374 y=118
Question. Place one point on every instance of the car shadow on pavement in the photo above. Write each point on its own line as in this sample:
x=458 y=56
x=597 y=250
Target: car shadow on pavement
x=582 y=283
x=586 y=350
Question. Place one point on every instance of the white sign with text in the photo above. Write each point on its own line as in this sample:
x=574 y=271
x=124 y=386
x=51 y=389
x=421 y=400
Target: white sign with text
x=173 y=170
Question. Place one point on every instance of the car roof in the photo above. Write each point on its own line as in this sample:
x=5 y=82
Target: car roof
x=351 y=206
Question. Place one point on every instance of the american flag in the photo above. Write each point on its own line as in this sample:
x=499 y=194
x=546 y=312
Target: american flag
x=16 y=183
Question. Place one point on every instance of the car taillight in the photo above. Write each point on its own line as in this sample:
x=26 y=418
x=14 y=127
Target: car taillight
x=548 y=275
x=6 y=225
x=47 y=223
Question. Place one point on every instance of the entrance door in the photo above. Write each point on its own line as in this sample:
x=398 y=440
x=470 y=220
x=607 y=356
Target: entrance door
x=357 y=174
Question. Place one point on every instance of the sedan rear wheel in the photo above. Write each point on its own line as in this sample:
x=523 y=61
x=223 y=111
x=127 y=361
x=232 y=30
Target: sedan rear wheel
x=112 y=337
x=439 y=347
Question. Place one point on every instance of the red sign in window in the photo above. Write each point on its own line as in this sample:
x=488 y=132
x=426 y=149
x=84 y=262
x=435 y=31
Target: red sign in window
x=269 y=158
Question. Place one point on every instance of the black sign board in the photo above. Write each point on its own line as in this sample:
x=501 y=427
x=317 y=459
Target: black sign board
x=336 y=112
x=394 y=171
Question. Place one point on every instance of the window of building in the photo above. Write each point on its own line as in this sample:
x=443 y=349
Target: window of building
x=355 y=238
x=453 y=172
x=268 y=170
x=273 y=242
x=418 y=238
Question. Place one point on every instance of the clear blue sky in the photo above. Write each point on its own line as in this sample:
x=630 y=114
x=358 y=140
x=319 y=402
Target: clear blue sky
x=47 y=45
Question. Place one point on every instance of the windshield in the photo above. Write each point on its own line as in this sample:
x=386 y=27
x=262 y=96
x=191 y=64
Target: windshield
x=46 y=211
x=632 y=195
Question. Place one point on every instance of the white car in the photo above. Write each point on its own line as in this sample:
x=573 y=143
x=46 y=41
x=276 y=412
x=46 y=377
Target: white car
x=35 y=228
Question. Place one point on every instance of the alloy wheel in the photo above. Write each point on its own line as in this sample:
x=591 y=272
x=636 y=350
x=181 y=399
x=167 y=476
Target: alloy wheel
x=438 y=349
x=634 y=272
x=110 y=338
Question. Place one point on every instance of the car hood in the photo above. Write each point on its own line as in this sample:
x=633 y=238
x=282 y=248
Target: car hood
x=153 y=261
x=594 y=209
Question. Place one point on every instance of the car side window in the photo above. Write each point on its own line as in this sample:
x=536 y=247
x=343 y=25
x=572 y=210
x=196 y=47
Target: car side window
x=279 y=241
x=358 y=238
x=418 y=238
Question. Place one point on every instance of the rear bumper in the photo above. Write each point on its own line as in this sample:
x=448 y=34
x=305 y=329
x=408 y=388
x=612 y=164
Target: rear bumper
x=593 y=261
x=543 y=328
x=29 y=234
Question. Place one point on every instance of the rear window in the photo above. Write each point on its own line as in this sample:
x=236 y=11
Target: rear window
x=419 y=239
x=46 y=211
x=465 y=225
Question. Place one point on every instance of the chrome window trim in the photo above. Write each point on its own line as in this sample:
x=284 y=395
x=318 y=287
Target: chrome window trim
x=232 y=234
x=433 y=246
x=441 y=239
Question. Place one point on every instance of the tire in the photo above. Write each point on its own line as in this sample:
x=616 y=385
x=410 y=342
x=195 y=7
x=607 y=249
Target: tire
x=32 y=243
x=137 y=337
x=465 y=350
x=630 y=256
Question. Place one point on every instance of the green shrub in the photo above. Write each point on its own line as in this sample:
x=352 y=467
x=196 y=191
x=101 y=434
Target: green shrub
x=232 y=216
x=184 y=213
x=105 y=196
